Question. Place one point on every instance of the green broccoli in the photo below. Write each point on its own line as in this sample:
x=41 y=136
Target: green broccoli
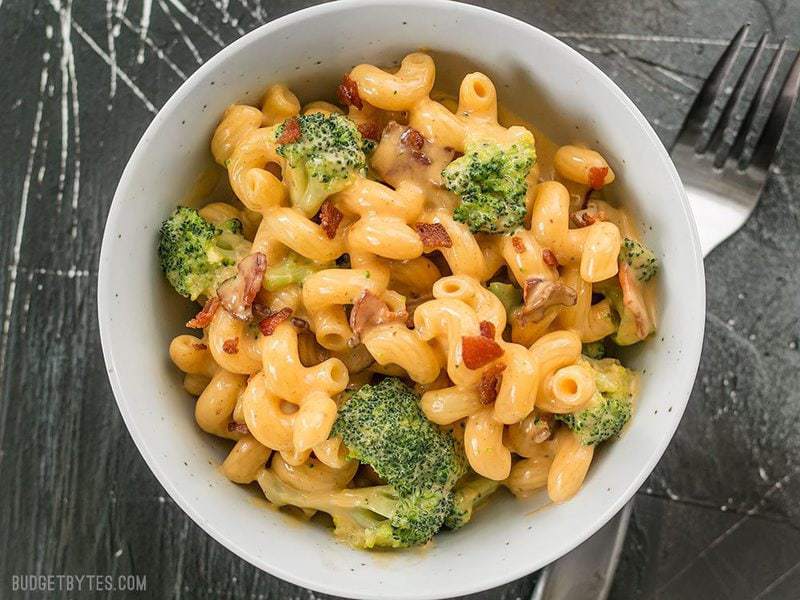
x=611 y=406
x=596 y=350
x=197 y=256
x=509 y=294
x=640 y=259
x=468 y=496
x=382 y=425
x=368 y=517
x=323 y=160
x=294 y=268
x=491 y=181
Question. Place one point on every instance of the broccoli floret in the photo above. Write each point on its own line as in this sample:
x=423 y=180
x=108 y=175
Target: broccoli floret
x=509 y=294
x=640 y=258
x=368 y=517
x=626 y=333
x=468 y=495
x=491 y=181
x=611 y=406
x=294 y=268
x=382 y=425
x=195 y=255
x=323 y=160
x=596 y=350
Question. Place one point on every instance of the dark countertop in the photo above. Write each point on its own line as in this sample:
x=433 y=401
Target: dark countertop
x=719 y=517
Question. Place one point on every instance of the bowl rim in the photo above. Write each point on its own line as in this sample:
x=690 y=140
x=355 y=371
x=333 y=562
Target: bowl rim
x=692 y=346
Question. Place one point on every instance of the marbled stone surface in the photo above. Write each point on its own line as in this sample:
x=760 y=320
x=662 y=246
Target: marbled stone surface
x=719 y=517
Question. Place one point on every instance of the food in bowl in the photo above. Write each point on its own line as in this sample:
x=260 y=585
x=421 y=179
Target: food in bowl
x=407 y=305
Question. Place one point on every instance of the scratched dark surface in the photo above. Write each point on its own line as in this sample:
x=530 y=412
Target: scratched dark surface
x=719 y=517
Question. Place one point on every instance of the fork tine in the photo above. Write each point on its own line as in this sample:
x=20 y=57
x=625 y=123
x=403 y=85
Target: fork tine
x=757 y=102
x=727 y=112
x=693 y=124
x=771 y=135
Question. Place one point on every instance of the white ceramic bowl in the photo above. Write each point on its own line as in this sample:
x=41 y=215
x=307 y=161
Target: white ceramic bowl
x=538 y=77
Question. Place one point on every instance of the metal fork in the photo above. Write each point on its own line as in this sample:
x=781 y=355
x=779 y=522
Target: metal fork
x=723 y=184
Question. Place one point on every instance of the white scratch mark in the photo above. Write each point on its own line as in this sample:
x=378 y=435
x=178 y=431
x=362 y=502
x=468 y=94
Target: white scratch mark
x=676 y=78
x=158 y=51
x=23 y=211
x=118 y=553
x=123 y=76
x=48 y=32
x=223 y=7
x=70 y=273
x=112 y=50
x=193 y=18
x=186 y=39
x=637 y=37
x=257 y=13
x=144 y=23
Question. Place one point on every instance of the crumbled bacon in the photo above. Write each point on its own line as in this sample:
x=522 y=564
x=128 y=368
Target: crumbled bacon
x=329 y=218
x=238 y=293
x=231 y=346
x=370 y=130
x=412 y=139
x=347 y=92
x=540 y=294
x=291 y=132
x=203 y=319
x=433 y=235
x=270 y=323
x=301 y=324
x=487 y=329
x=200 y=347
x=633 y=300
x=597 y=177
x=369 y=311
x=478 y=351
x=518 y=244
x=233 y=426
x=490 y=382
x=549 y=258
x=588 y=216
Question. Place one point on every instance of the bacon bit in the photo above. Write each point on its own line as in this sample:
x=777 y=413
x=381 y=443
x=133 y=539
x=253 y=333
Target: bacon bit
x=412 y=139
x=478 y=351
x=541 y=294
x=490 y=383
x=433 y=235
x=487 y=329
x=231 y=346
x=270 y=323
x=260 y=311
x=597 y=177
x=301 y=324
x=549 y=258
x=329 y=218
x=347 y=92
x=235 y=427
x=200 y=347
x=238 y=293
x=633 y=300
x=203 y=319
x=420 y=158
x=291 y=132
x=369 y=311
x=588 y=216
x=370 y=131
x=542 y=428
x=518 y=244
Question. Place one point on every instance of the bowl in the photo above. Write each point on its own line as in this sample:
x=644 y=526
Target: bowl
x=537 y=77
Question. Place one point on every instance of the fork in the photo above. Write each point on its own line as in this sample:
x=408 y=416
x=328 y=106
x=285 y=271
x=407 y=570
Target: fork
x=723 y=184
